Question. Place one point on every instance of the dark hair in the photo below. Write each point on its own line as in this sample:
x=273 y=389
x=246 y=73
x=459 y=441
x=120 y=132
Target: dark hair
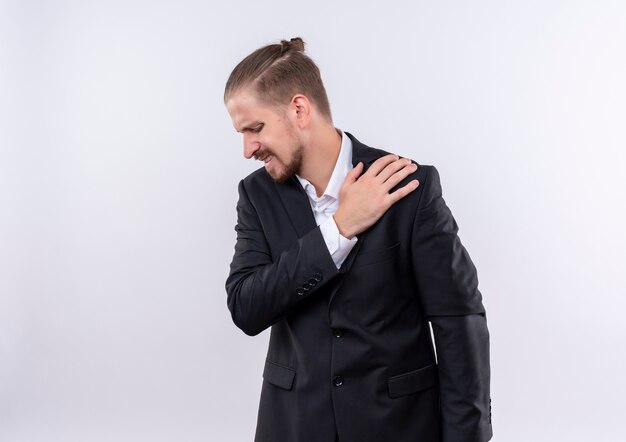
x=278 y=72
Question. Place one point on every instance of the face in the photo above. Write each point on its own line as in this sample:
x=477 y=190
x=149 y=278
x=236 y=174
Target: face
x=269 y=135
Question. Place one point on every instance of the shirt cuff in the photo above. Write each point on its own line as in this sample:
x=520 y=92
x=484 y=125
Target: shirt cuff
x=338 y=246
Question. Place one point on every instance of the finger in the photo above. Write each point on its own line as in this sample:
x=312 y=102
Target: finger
x=399 y=175
x=380 y=164
x=393 y=168
x=354 y=173
x=403 y=191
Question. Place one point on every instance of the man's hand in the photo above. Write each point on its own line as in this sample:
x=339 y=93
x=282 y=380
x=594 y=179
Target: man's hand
x=363 y=200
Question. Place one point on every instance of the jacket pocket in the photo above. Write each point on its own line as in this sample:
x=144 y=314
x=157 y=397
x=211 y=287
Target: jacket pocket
x=374 y=256
x=412 y=381
x=279 y=375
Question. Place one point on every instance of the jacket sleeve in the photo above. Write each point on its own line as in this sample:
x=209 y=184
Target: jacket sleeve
x=448 y=287
x=262 y=290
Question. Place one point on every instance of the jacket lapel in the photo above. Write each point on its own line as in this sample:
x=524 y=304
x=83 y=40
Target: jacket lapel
x=297 y=205
x=361 y=152
x=366 y=155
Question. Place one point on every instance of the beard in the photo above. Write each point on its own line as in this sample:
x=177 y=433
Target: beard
x=290 y=166
x=289 y=169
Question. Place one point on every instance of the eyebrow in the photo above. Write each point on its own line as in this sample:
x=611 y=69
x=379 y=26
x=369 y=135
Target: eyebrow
x=251 y=126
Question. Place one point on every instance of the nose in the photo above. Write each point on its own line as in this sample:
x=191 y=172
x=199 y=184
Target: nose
x=250 y=146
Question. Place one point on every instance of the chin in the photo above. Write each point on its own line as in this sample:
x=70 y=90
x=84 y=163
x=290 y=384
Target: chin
x=280 y=177
x=284 y=173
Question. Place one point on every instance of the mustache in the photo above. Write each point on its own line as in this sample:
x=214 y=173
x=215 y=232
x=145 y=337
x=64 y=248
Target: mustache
x=264 y=154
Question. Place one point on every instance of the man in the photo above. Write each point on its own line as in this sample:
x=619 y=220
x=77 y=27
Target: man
x=347 y=252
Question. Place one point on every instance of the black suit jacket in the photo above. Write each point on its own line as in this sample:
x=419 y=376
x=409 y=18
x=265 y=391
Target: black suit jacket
x=350 y=350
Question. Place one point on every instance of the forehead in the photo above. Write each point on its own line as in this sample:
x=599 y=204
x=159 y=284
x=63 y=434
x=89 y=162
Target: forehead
x=245 y=108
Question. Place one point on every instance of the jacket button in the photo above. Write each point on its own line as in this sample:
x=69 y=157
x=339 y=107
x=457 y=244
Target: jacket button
x=318 y=277
x=312 y=282
x=337 y=381
x=306 y=286
x=300 y=291
x=337 y=333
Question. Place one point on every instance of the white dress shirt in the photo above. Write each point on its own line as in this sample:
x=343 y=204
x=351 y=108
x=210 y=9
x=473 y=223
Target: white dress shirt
x=326 y=205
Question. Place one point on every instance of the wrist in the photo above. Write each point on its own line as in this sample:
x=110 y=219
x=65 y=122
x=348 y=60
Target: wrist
x=341 y=226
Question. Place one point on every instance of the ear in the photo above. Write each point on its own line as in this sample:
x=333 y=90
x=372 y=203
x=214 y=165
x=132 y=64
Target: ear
x=303 y=110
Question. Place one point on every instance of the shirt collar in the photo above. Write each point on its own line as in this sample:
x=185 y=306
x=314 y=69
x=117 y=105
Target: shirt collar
x=342 y=167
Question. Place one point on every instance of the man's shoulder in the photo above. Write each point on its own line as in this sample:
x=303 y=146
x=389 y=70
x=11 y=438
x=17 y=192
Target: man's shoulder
x=369 y=154
x=259 y=179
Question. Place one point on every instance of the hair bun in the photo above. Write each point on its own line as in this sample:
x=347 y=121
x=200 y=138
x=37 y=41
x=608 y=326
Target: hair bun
x=295 y=44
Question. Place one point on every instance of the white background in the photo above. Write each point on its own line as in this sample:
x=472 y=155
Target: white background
x=118 y=175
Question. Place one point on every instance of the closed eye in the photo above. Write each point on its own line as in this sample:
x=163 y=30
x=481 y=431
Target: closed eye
x=257 y=129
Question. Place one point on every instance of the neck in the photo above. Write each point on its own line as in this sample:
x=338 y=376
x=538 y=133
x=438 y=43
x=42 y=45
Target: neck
x=320 y=156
